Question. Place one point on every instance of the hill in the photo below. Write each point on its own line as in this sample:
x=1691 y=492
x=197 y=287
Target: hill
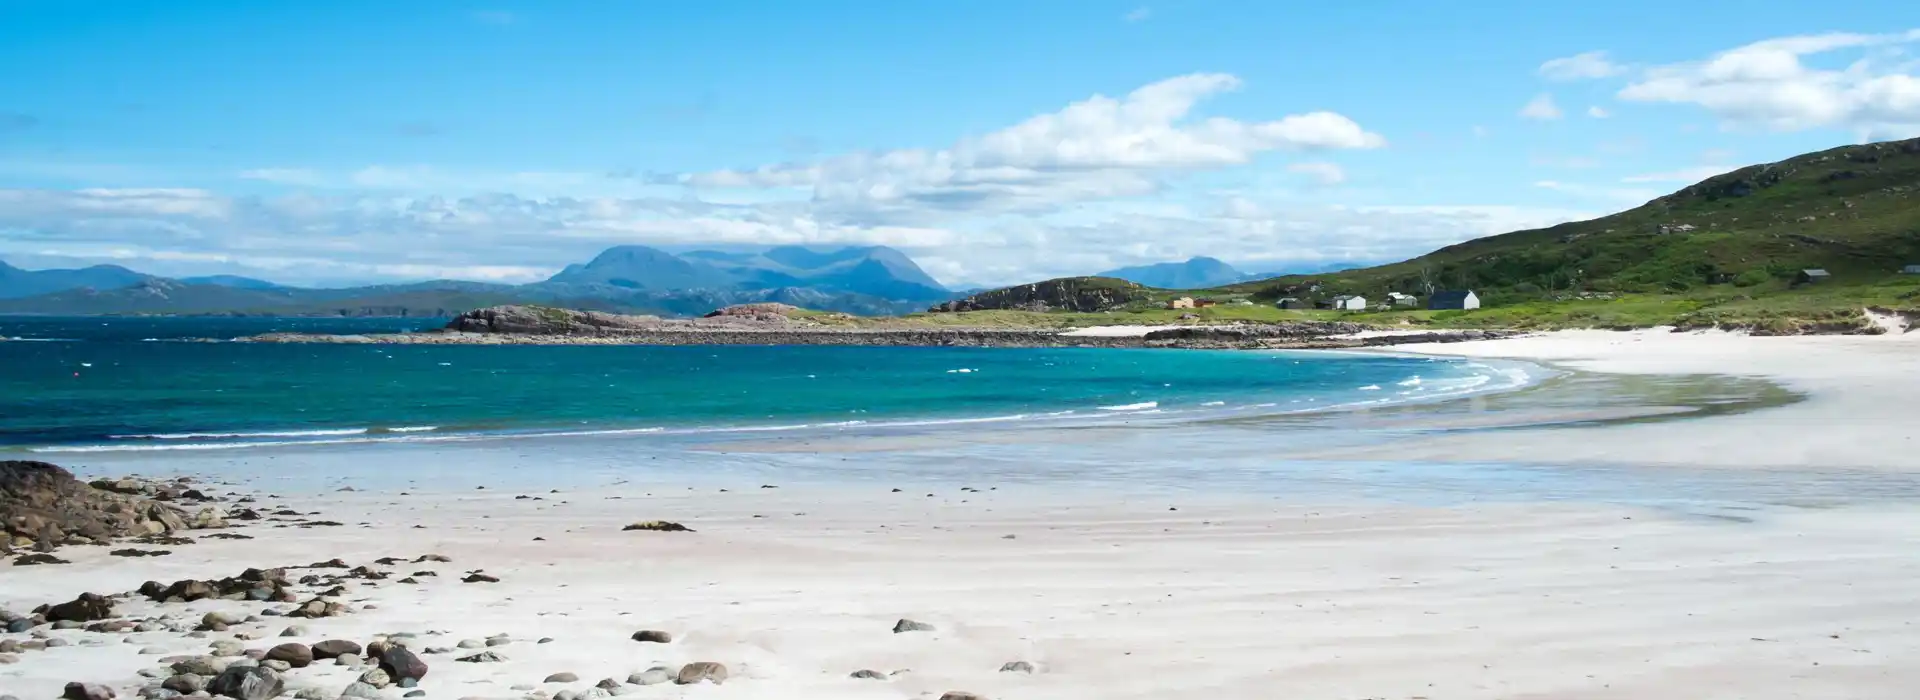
x=1079 y=294
x=874 y=271
x=16 y=283
x=1195 y=273
x=1854 y=211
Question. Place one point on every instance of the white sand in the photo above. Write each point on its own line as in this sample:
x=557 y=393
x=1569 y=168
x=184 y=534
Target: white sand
x=1225 y=597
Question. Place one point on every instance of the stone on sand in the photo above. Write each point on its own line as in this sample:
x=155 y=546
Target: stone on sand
x=86 y=691
x=652 y=676
x=294 y=654
x=905 y=625
x=562 y=677
x=701 y=671
x=335 y=648
x=1016 y=667
x=247 y=683
x=653 y=636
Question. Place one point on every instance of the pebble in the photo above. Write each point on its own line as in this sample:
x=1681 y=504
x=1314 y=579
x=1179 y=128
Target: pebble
x=471 y=644
x=361 y=690
x=867 y=674
x=1016 y=667
x=905 y=625
x=562 y=677
x=376 y=678
x=960 y=695
x=653 y=636
x=294 y=631
x=87 y=691
x=484 y=657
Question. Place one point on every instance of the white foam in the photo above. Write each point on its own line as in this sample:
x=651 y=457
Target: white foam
x=1142 y=406
x=238 y=436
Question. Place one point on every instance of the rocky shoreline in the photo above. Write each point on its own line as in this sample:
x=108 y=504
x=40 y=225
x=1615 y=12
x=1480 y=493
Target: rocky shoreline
x=770 y=324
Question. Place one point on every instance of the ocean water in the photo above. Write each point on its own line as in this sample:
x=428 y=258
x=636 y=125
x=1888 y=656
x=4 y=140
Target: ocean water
x=110 y=385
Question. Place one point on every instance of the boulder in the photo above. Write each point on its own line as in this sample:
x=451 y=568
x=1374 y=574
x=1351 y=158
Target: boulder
x=334 y=648
x=360 y=690
x=185 y=683
x=699 y=671
x=43 y=506
x=402 y=665
x=247 y=683
x=86 y=608
x=86 y=691
x=294 y=654
x=376 y=678
x=652 y=676
x=653 y=637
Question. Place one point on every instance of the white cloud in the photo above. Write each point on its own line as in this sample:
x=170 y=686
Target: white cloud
x=1323 y=173
x=1598 y=112
x=1766 y=84
x=1099 y=148
x=1684 y=175
x=1138 y=14
x=1541 y=108
x=1586 y=66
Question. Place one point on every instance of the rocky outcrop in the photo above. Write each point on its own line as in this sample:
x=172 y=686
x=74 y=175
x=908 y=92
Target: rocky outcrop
x=1084 y=294
x=544 y=320
x=769 y=312
x=42 y=506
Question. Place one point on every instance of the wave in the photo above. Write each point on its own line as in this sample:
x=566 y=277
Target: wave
x=242 y=436
x=1144 y=405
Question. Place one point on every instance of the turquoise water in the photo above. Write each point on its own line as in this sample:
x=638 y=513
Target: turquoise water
x=93 y=385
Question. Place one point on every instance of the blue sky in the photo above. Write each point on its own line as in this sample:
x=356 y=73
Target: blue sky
x=342 y=142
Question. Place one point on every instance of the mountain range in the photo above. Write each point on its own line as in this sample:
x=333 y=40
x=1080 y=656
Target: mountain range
x=860 y=280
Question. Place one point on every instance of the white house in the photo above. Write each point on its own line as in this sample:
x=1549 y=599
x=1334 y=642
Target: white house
x=1398 y=299
x=1455 y=299
x=1346 y=302
x=1910 y=270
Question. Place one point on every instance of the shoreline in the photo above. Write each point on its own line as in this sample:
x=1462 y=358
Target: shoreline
x=1746 y=553
x=1237 y=337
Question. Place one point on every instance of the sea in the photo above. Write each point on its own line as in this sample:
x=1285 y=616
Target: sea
x=93 y=385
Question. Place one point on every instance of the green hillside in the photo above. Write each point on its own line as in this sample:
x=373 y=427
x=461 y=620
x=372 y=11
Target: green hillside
x=1854 y=211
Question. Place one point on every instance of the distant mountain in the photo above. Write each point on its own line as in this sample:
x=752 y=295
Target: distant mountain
x=16 y=283
x=1195 y=273
x=233 y=281
x=638 y=279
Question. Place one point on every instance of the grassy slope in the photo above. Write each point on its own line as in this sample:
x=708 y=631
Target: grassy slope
x=1854 y=211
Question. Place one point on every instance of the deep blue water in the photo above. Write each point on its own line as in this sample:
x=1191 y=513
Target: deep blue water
x=113 y=384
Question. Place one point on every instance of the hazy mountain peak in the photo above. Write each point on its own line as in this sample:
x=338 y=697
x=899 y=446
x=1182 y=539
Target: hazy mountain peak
x=1194 y=273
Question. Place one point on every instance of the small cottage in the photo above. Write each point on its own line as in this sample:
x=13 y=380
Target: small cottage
x=1348 y=302
x=1458 y=299
x=1910 y=270
x=1181 y=303
x=1203 y=303
x=1398 y=299
x=1290 y=303
x=1812 y=276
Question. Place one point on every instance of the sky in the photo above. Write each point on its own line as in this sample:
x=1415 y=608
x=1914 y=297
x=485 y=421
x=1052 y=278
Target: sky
x=996 y=142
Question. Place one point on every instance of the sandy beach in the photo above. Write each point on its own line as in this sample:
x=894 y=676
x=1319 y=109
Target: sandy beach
x=1512 y=573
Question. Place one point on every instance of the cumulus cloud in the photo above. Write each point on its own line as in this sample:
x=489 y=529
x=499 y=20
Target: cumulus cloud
x=1098 y=148
x=1586 y=66
x=1541 y=108
x=1598 y=112
x=1770 y=84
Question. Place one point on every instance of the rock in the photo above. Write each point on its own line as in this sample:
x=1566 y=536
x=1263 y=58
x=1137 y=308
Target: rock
x=247 y=683
x=499 y=641
x=1016 y=667
x=334 y=648
x=432 y=557
x=39 y=559
x=86 y=691
x=86 y=608
x=349 y=660
x=154 y=692
x=402 y=665
x=701 y=671
x=294 y=631
x=657 y=526
x=562 y=677
x=377 y=678
x=295 y=654
x=960 y=695
x=905 y=625
x=870 y=675
x=221 y=619
x=185 y=683
x=471 y=644
x=652 y=676
x=42 y=506
x=9 y=659
x=415 y=694
x=228 y=647
x=607 y=684
x=199 y=665
x=477 y=577
x=277 y=665
x=312 y=693
x=485 y=657
x=653 y=636
x=360 y=690
x=545 y=640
